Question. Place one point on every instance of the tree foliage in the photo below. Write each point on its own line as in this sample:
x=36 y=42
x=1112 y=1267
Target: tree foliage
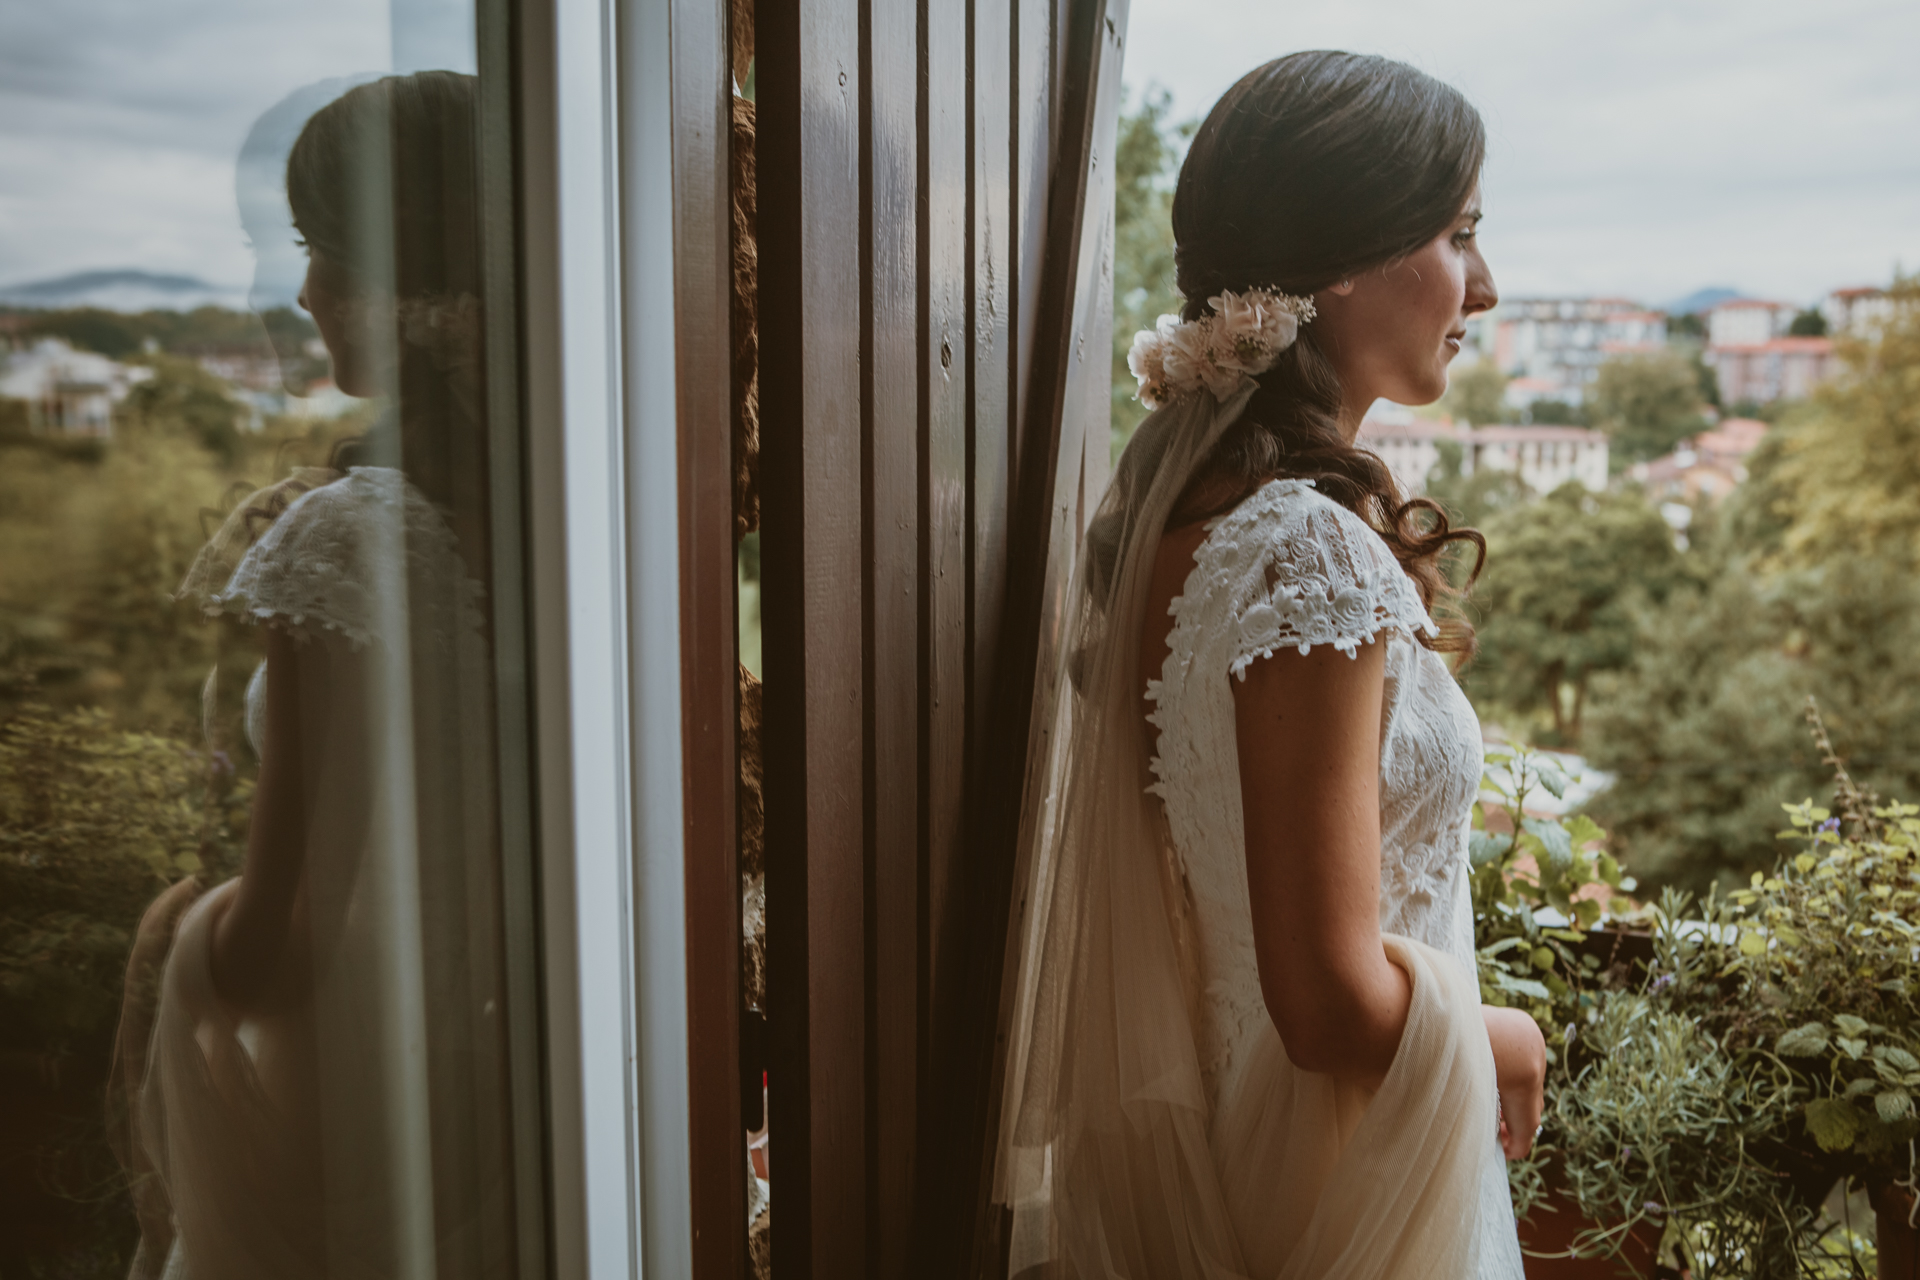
x=94 y=822
x=1701 y=728
x=1557 y=601
x=1803 y=583
x=1849 y=477
x=1471 y=498
x=1147 y=156
x=120 y=334
x=1476 y=394
x=182 y=395
x=1646 y=403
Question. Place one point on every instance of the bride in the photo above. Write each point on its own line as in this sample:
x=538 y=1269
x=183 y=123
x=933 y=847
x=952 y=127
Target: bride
x=1248 y=1039
x=325 y=1092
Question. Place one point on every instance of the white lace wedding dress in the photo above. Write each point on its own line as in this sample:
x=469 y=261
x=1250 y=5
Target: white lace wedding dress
x=1290 y=568
x=355 y=1122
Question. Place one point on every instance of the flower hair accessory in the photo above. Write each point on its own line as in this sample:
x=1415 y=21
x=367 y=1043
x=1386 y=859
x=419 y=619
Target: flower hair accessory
x=1241 y=336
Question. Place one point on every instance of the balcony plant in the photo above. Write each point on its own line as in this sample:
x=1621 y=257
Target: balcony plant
x=1766 y=1046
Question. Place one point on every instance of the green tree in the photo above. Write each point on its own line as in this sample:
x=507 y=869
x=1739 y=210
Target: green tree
x=1804 y=583
x=1703 y=732
x=94 y=822
x=1471 y=499
x=1849 y=475
x=1646 y=404
x=182 y=395
x=1477 y=394
x=1558 y=596
x=1556 y=413
x=1808 y=324
x=1147 y=157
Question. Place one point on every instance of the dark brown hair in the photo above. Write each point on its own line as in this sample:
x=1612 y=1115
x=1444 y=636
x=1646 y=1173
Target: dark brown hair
x=1313 y=168
x=384 y=183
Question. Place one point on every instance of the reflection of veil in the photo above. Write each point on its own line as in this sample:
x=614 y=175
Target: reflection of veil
x=1105 y=1153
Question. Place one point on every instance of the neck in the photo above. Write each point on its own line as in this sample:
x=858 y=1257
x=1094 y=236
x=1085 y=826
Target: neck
x=1353 y=411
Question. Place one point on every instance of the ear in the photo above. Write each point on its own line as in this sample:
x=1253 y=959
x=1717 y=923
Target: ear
x=1344 y=288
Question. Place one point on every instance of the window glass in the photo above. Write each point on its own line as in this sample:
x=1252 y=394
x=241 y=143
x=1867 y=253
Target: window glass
x=257 y=884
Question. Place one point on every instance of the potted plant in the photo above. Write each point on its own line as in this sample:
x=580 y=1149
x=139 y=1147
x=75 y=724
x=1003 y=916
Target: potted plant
x=1767 y=1047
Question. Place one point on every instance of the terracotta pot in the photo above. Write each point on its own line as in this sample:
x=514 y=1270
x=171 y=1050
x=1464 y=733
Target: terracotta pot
x=1898 y=1243
x=1551 y=1228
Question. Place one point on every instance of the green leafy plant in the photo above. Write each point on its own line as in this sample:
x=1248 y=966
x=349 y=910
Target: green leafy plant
x=1765 y=1045
x=1525 y=866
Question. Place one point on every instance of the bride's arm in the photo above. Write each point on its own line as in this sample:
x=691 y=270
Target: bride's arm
x=1309 y=740
x=250 y=934
x=314 y=784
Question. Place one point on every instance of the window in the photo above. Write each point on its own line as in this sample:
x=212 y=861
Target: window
x=259 y=591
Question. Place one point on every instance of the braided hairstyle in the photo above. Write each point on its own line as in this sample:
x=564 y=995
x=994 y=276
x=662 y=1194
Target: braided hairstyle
x=1310 y=170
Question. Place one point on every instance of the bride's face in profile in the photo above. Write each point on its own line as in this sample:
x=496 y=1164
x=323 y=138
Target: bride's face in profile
x=1391 y=332
x=358 y=343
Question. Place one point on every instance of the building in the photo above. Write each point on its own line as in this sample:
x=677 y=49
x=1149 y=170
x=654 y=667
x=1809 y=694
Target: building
x=1544 y=457
x=1775 y=369
x=1856 y=312
x=1748 y=322
x=1706 y=467
x=67 y=391
x=1411 y=447
x=1558 y=344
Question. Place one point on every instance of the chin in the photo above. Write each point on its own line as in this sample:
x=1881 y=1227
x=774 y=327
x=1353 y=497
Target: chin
x=1424 y=392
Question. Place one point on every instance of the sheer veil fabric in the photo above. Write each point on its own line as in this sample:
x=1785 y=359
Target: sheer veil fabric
x=1109 y=1155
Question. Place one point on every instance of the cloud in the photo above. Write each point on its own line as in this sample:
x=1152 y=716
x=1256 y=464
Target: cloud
x=120 y=120
x=1635 y=147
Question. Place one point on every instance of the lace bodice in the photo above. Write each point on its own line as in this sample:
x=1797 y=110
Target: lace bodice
x=1289 y=567
x=366 y=557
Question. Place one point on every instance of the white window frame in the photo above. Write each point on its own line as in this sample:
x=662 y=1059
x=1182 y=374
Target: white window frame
x=596 y=147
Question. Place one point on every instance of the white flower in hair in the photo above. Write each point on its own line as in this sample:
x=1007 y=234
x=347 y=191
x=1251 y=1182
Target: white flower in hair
x=1240 y=338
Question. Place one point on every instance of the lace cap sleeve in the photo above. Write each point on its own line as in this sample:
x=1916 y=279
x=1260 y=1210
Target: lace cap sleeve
x=1302 y=570
x=344 y=555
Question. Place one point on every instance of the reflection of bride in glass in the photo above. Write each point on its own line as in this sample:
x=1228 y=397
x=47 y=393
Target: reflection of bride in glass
x=326 y=1086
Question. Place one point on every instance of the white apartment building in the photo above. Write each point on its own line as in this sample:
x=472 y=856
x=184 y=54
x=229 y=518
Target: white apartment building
x=1856 y=312
x=67 y=391
x=1748 y=322
x=1554 y=346
x=1544 y=457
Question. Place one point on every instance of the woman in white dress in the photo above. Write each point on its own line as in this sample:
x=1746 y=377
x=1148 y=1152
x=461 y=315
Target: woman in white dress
x=1247 y=1040
x=326 y=1089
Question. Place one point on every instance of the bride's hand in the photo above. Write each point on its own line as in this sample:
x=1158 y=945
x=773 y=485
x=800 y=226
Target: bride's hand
x=1520 y=1069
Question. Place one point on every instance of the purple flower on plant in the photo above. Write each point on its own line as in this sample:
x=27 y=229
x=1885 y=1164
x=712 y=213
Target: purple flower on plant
x=1831 y=824
x=1663 y=981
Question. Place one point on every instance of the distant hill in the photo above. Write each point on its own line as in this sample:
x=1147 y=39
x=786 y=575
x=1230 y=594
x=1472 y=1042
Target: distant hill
x=127 y=289
x=1700 y=300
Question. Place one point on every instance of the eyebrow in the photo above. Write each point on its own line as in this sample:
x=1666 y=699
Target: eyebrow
x=1473 y=215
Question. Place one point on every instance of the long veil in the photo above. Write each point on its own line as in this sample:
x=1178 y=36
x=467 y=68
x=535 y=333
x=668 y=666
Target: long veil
x=1102 y=1072
x=1104 y=1158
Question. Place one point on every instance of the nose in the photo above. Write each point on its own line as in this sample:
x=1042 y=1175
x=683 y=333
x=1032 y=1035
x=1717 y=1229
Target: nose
x=1482 y=294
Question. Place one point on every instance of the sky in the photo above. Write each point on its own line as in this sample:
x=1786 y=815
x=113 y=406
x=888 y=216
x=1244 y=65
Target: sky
x=1637 y=149
x=120 y=120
